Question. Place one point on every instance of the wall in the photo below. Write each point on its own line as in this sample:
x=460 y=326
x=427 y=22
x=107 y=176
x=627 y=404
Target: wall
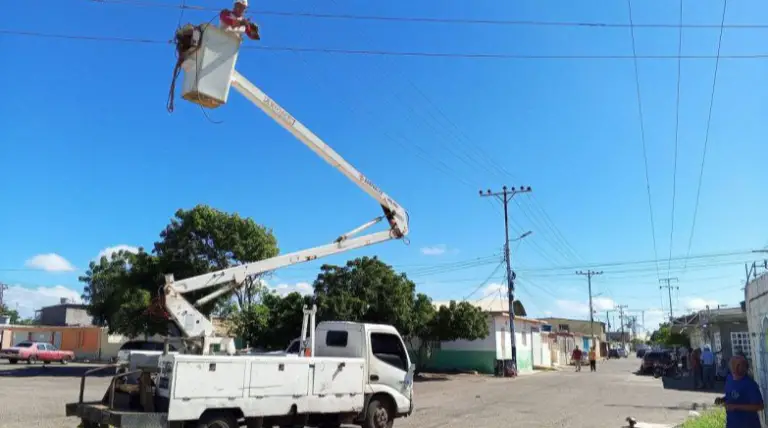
x=756 y=297
x=78 y=317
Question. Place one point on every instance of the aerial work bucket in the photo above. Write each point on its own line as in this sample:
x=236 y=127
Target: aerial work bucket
x=208 y=63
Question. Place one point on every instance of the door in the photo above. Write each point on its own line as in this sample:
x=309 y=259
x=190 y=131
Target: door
x=43 y=353
x=536 y=349
x=57 y=339
x=388 y=362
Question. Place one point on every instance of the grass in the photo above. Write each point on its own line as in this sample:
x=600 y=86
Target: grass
x=711 y=419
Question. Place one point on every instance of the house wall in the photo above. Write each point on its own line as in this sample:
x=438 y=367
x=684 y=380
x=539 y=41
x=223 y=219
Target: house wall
x=481 y=355
x=756 y=298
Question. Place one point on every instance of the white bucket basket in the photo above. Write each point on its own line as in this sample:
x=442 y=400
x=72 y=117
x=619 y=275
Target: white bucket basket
x=208 y=68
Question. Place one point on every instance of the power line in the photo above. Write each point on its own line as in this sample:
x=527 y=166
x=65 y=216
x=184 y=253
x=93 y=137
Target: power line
x=642 y=131
x=432 y=20
x=709 y=122
x=381 y=52
x=677 y=137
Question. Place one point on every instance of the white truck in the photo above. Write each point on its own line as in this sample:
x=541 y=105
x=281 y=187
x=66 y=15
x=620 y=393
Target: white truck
x=345 y=372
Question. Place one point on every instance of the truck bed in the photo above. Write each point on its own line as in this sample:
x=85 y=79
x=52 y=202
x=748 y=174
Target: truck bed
x=264 y=386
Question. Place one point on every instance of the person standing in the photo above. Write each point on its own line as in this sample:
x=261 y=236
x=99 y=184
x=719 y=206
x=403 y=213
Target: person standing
x=592 y=360
x=576 y=357
x=708 y=367
x=742 y=399
x=696 y=374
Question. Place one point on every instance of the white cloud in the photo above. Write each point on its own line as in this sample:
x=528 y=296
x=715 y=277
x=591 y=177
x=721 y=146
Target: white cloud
x=50 y=262
x=435 y=250
x=109 y=251
x=283 y=289
x=27 y=300
x=698 y=304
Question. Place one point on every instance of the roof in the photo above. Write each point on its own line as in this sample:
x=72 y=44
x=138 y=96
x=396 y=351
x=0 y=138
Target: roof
x=549 y=320
x=67 y=306
x=493 y=304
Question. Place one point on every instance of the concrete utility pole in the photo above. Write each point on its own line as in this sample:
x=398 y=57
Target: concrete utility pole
x=621 y=308
x=505 y=196
x=669 y=288
x=589 y=274
x=3 y=287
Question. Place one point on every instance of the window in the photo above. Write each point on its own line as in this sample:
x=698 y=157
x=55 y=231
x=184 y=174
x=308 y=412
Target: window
x=524 y=336
x=389 y=349
x=41 y=346
x=740 y=343
x=23 y=345
x=563 y=327
x=336 y=338
x=296 y=346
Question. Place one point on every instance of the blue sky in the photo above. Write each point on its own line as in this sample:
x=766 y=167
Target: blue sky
x=91 y=160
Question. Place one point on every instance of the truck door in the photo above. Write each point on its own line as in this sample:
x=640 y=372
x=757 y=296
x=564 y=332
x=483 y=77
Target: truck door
x=388 y=363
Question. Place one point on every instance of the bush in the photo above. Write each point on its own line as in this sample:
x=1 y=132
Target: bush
x=711 y=419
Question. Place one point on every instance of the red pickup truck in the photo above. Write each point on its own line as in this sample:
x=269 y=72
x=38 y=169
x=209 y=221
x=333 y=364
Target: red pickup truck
x=36 y=351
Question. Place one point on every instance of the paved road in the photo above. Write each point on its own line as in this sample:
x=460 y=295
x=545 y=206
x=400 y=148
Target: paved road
x=554 y=400
x=33 y=396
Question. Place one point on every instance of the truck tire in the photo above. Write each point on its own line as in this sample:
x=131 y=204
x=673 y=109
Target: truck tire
x=32 y=360
x=379 y=415
x=13 y=361
x=218 y=420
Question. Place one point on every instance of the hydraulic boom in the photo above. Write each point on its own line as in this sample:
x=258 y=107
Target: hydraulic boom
x=208 y=58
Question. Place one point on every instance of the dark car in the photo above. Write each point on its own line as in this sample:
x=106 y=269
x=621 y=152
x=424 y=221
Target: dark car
x=613 y=353
x=653 y=357
x=641 y=353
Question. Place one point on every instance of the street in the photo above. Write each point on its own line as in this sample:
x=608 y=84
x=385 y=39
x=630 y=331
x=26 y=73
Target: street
x=35 y=396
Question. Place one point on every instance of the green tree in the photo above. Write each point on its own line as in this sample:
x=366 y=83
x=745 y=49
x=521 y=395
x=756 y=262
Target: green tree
x=368 y=290
x=121 y=291
x=664 y=336
x=12 y=314
x=461 y=320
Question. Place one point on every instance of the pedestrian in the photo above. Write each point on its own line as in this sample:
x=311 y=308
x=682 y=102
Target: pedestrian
x=708 y=367
x=684 y=358
x=576 y=357
x=592 y=360
x=742 y=399
x=695 y=361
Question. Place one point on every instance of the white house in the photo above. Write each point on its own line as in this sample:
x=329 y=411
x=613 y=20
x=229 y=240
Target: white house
x=485 y=354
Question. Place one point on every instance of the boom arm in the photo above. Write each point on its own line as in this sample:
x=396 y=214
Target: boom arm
x=193 y=323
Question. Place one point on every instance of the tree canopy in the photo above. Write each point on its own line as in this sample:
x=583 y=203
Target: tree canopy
x=120 y=288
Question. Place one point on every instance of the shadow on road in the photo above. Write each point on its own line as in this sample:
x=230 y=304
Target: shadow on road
x=430 y=377
x=681 y=406
x=685 y=383
x=54 y=371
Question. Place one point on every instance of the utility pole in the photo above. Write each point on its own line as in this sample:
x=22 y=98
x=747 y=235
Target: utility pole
x=608 y=319
x=589 y=274
x=621 y=308
x=506 y=195
x=669 y=288
x=3 y=287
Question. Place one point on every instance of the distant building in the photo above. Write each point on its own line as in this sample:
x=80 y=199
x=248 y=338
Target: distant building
x=65 y=314
x=584 y=327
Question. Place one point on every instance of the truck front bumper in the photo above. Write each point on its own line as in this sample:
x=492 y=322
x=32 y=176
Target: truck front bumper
x=98 y=413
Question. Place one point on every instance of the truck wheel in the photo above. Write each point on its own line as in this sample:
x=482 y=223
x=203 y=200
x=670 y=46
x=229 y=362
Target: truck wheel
x=218 y=420
x=13 y=361
x=379 y=415
x=31 y=360
x=65 y=360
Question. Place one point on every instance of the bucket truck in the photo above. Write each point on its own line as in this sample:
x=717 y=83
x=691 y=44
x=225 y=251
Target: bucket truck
x=345 y=372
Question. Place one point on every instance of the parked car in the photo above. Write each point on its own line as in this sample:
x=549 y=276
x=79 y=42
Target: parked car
x=613 y=353
x=36 y=351
x=653 y=357
x=641 y=352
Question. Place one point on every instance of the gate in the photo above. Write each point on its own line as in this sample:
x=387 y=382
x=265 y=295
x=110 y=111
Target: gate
x=763 y=357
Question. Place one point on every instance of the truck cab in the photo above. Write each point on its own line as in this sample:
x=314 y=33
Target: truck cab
x=388 y=368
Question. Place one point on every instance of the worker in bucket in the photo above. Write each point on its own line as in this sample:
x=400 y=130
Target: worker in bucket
x=235 y=21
